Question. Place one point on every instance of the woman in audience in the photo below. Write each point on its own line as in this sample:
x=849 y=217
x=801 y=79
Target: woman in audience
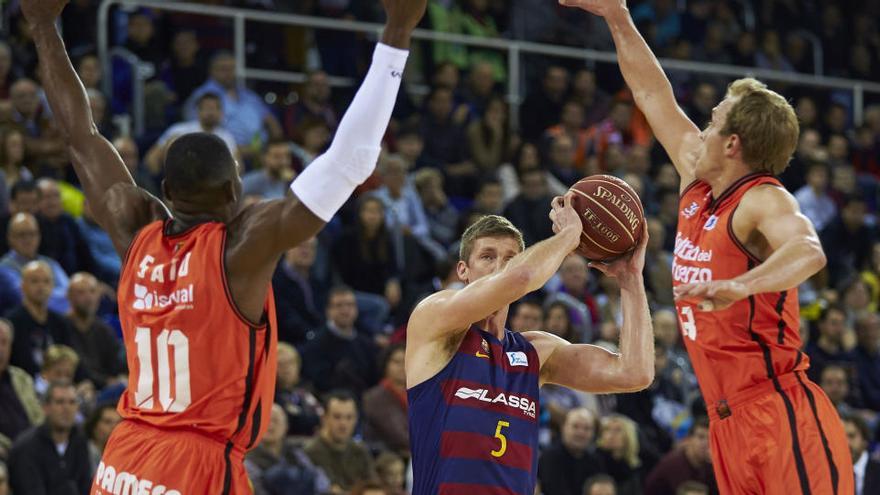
x=619 y=449
x=385 y=407
x=12 y=167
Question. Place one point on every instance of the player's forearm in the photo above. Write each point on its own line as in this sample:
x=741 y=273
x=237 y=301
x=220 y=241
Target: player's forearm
x=639 y=66
x=635 y=366
x=64 y=90
x=789 y=266
x=538 y=263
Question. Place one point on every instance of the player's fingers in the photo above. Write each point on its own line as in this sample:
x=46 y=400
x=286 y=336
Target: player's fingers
x=557 y=203
x=567 y=199
x=706 y=305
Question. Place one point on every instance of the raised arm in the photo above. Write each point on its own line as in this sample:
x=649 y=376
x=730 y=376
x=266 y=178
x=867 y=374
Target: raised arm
x=115 y=200
x=650 y=86
x=796 y=253
x=452 y=311
x=593 y=369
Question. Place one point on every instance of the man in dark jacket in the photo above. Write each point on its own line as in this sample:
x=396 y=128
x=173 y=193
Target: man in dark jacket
x=563 y=468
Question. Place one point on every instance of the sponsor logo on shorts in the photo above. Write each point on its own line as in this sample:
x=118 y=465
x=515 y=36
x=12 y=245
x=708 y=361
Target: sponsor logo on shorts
x=523 y=404
x=109 y=480
x=518 y=358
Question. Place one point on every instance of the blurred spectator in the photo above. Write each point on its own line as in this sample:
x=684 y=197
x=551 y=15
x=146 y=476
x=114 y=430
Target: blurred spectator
x=664 y=19
x=4 y=479
x=98 y=106
x=338 y=356
x=140 y=172
x=99 y=350
x=703 y=100
x=370 y=487
x=622 y=130
x=770 y=55
x=525 y=158
x=592 y=99
x=142 y=39
x=302 y=409
x=90 y=72
x=392 y=472
x=107 y=262
x=443 y=135
x=245 y=114
x=310 y=142
x=481 y=88
x=572 y=126
x=488 y=138
x=600 y=484
x=528 y=211
x=19 y=406
x=847 y=240
x=691 y=461
x=813 y=198
x=385 y=405
x=692 y=488
x=867 y=470
x=52 y=457
x=299 y=297
x=827 y=348
x=867 y=359
x=835 y=382
x=490 y=198
x=667 y=333
x=7 y=70
x=272 y=181
x=60 y=238
x=98 y=427
x=23 y=235
x=562 y=158
x=277 y=466
x=41 y=140
x=12 y=166
x=365 y=259
x=564 y=467
x=659 y=276
x=403 y=207
x=542 y=108
x=59 y=365
x=619 y=450
x=313 y=104
x=210 y=118
x=344 y=460
x=528 y=316
x=185 y=70
x=441 y=216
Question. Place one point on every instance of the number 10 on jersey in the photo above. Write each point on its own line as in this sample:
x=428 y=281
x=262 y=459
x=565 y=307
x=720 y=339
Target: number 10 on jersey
x=179 y=359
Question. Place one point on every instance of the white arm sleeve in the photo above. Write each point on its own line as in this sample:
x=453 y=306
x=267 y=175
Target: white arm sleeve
x=325 y=185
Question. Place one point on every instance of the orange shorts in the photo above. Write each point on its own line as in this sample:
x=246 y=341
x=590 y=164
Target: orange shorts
x=787 y=440
x=141 y=459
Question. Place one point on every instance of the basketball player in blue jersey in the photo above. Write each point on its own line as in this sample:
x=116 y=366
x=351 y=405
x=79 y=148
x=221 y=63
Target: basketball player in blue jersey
x=473 y=385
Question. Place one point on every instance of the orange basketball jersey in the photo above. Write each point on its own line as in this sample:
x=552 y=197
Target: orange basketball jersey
x=194 y=361
x=754 y=339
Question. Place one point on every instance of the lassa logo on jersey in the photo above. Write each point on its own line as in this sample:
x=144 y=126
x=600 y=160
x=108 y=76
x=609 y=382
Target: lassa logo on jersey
x=524 y=404
x=110 y=481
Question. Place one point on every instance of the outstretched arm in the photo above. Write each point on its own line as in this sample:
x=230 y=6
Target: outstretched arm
x=97 y=164
x=650 y=87
x=593 y=369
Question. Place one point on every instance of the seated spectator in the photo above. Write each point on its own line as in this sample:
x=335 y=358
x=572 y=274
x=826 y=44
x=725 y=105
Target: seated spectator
x=813 y=198
x=827 y=347
x=574 y=278
x=385 y=405
x=96 y=344
x=311 y=141
x=271 y=181
x=692 y=488
x=142 y=39
x=12 y=166
x=835 y=382
x=301 y=407
x=528 y=211
x=23 y=235
x=245 y=115
x=42 y=142
x=59 y=365
x=658 y=274
x=528 y=316
x=441 y=216
x=107 y=261
x=90 y=72
x=392 y=473
x=186 y=69
x=847 y=240
x=867 y=470
x=572 y=125
x=689 y=462
x=867 y=359
x=444 y=137
x=622 y=128
x=668 y=335
x=600 y=484
x=60 y=238
x=490 y=198
x=298 y=295
x=54 y=454
x=488 y=137
x=19 y=407
x=561 y=158
x=344 y=460
x=370 y=487
x=277 y=466
x=566 y=465
x=209 y=118
x=619 y=450
x=98 y=427
x=36 y=325
x=541 y=109
x=313 y=103
x=142 y=174
x=338 y=356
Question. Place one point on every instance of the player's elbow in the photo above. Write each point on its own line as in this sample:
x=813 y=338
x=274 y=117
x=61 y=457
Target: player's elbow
x=815 y=256
x=519 y=280
x=640 y=380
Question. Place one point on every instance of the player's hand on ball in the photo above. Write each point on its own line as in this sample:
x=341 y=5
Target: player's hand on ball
x=564 y=216
x=629 y=266
x=712 y=296
x=39 y=11
x=598 y=7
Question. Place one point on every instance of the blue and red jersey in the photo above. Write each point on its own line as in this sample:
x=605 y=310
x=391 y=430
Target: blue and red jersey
x=474 y=425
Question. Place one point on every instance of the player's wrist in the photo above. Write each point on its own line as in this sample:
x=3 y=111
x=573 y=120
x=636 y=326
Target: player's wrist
x=618 y=16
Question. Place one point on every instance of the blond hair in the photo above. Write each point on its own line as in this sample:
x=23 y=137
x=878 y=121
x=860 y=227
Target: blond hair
x=766 y=124
x=285 y=348
x=58 y=353
x=630 y=431
x=488 y=226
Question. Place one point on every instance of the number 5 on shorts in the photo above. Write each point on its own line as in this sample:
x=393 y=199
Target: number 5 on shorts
x=688 y=325
x=500 y=436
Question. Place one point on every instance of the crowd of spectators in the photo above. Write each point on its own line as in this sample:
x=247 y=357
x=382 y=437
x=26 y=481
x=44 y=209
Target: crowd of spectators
x=451 y=154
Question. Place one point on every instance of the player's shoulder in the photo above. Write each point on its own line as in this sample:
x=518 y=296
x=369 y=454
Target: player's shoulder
x=432 y=305
x=768 y=198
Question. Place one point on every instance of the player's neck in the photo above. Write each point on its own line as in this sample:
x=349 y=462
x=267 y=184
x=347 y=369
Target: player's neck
x=727 y=176
x=494 y=324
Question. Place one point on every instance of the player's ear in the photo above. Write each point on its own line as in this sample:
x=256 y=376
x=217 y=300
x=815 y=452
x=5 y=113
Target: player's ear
x=166 y=191
x=733 y=145
x=230 y=192
x=461 y=269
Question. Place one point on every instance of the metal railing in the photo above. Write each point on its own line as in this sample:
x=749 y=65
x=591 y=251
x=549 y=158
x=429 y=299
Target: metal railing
x=514 y=49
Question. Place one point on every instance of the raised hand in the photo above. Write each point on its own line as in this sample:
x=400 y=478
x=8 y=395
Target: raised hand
x=403 y=17
x=627 y=267
x=42 y=11
x=598 y=7
x=563 y=215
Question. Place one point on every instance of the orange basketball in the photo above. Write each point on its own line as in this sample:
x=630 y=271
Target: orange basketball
x=612 y=215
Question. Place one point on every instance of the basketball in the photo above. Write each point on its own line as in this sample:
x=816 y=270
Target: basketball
x=612 y=215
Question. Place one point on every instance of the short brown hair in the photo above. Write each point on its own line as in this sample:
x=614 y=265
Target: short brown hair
x=488 y=226
x=765 y=122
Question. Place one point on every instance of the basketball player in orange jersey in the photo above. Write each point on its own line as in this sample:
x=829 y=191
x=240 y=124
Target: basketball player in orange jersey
x=195 y=299
x=741 y=250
